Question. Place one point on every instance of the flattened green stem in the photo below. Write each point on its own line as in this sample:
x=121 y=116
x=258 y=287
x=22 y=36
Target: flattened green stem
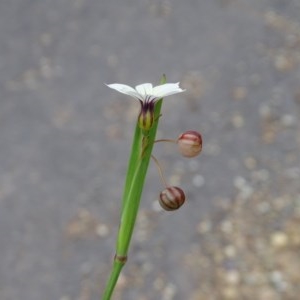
x=137 y=169
x=133 y=161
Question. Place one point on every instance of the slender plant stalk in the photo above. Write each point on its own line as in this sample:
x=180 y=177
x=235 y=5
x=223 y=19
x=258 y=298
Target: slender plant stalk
x=141 y=150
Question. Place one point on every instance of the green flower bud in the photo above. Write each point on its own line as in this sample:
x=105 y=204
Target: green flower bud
x=146 y=116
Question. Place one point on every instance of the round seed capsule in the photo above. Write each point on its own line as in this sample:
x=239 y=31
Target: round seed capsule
x=190 y=143
x=171 y=198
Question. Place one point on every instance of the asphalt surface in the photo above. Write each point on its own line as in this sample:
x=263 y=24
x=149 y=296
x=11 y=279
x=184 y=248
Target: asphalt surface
x=65 y=137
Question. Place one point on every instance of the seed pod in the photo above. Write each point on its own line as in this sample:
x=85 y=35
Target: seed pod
x=171 y=198
x=190 y=143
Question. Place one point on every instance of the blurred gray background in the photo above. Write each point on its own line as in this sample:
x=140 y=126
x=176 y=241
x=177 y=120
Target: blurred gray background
x=65 y=137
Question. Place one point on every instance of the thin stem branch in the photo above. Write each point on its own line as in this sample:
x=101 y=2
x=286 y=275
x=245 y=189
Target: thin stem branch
x=166 y=140
x=159 y=170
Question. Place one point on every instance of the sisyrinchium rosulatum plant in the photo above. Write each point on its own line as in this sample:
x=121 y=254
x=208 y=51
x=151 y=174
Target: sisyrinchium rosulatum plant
x=171 y=198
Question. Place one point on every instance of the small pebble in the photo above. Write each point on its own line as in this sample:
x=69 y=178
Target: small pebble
x=292 y=173
x=237 y=120
x=230 y=293
x=169 y=292
x=276 y=278
x=239 y=182
x=283 y=63
x=261 y=175
x=175 y=179
x=263 y=207
x=239 y=93
x=279 y=239
x=265 y=111
x=226 y=226
x=250 y=163
x=288 y=120
x=198 y=180
x=233 y=277
x=204 y=227
x=230 y=251
x=102 y=230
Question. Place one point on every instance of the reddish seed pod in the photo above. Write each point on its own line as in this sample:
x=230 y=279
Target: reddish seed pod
x=190 y=143
x=171 y=198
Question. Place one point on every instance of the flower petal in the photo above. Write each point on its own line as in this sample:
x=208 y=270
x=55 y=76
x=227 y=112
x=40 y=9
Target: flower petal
x=146 y=92
x=124 y=89
x=145 y=89
x=166 y=89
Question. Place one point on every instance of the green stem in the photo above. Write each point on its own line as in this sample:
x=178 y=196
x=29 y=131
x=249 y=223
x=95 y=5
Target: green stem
x=112 y=280
x=133 y=161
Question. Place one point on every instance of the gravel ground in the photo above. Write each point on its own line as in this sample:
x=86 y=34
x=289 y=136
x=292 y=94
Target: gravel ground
x=250 y=249
x=65 y=140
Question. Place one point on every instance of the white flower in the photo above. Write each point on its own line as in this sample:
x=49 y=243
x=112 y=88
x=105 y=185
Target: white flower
x=147 y=95
x=146 y=92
